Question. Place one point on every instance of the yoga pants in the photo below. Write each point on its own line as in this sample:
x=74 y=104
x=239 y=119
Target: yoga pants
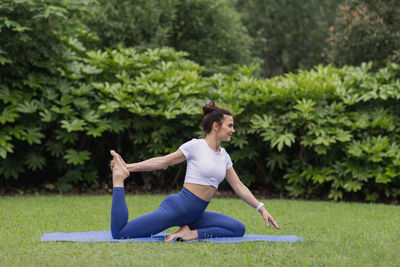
x=184 y=208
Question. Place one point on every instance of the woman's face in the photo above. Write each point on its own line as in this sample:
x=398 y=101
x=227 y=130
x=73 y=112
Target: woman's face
x=225 y=130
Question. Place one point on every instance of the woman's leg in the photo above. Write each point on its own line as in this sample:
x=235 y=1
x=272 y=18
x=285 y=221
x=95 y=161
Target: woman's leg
x=143 y=226
x=146 y=225
x=210 y=224
x=119 y=211
x=213 y=224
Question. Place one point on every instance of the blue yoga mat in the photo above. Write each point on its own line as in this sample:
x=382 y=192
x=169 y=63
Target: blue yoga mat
x=105 y=236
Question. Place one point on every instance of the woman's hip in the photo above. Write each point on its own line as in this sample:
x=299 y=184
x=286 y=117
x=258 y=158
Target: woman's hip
x=185 y=205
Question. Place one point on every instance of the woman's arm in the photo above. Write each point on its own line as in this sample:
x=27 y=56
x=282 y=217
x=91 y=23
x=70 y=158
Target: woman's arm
x=244 y=193
x=155 y=163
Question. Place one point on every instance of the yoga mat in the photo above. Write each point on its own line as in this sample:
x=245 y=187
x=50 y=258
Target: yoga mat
x=105 y=236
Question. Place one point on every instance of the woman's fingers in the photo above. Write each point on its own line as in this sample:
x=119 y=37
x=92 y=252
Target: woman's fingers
x=112 y=163
x=273 y=222
x=270 y=220
x=123 y=162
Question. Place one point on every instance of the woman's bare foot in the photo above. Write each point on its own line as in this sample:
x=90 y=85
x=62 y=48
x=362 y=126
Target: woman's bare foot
x=112 y=163
x=119 y=171
x=184 y=233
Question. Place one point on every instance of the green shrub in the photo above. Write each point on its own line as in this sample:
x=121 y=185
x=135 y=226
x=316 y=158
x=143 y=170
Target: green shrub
x=326 y=133
x=35 y=36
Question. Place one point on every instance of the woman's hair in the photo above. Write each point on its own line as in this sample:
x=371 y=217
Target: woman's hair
x=212 y=114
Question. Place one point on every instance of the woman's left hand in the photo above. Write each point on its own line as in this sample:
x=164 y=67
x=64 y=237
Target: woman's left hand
x=112 y=163
x=268 y=218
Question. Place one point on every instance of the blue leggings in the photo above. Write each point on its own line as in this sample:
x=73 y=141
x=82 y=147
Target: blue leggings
x=184 y=208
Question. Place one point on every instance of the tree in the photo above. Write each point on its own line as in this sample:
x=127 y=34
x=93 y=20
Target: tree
x=289 y=35
x=210 y=31
x=30 y=33
x=365 y=31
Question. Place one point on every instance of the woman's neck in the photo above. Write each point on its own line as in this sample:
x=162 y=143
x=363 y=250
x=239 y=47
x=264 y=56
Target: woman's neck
x=213 y=142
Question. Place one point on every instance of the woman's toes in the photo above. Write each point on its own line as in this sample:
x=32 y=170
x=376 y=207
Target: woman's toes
x=184 y=233
x=118 y=168
x=169 y=238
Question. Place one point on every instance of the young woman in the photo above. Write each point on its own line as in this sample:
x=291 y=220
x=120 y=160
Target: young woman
x=207 y=165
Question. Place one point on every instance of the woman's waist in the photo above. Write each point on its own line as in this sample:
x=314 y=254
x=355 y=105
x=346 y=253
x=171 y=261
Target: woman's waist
x=204 y=192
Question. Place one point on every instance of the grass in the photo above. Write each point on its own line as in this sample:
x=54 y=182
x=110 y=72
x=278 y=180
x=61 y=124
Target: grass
x=335 y=234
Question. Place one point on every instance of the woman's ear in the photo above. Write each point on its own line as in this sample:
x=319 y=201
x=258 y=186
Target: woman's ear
x=216 y=126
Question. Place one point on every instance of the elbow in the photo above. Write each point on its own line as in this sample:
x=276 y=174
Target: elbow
x=163 y=163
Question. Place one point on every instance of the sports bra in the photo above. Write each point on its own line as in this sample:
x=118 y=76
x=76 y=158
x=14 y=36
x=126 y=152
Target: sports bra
x=204 y=165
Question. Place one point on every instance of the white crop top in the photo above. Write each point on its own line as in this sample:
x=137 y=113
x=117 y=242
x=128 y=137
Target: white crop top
x=204 y=165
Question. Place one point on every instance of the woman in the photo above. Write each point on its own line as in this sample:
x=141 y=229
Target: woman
x=207 y=165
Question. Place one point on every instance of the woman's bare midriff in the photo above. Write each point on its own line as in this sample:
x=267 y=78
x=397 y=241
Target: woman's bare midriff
x=205 y=192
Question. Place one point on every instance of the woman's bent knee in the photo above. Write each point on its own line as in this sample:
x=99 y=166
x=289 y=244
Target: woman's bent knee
x=116 y=235
x=240 y=229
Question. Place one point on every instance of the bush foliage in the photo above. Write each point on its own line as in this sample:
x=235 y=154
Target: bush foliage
x=325 y=133
x=328 y=132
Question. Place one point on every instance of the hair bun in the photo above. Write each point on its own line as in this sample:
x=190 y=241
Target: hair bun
x=210 y=107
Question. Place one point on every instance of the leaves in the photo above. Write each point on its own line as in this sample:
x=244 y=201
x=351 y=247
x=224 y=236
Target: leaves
x=277 y=160
x=8 y=115
x=305 y=106
x=76 y=158
x=74 y=125
x=56 y=149
x=28 y=106
x=263 y=122
x=5 y=145
x=11 y=167
x=35 y=161
x=282 y=140
x=33 y=136
x=66 y=137
x=47 y=115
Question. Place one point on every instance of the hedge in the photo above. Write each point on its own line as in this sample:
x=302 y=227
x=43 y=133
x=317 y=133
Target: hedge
x=326 y=133
x=323 y=133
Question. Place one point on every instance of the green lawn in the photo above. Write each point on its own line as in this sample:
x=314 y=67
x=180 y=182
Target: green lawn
x=335 y=234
